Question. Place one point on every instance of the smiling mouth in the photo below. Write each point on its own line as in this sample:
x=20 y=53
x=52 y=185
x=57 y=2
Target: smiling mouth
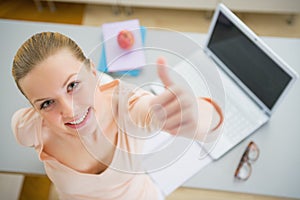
x=80 y=121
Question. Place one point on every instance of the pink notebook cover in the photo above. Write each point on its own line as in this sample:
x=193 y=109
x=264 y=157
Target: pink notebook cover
x=119 y=59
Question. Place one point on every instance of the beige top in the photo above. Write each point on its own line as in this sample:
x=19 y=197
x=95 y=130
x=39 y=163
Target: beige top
x=114 y=182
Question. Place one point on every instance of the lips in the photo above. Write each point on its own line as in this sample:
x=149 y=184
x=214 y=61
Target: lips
x=79 y=122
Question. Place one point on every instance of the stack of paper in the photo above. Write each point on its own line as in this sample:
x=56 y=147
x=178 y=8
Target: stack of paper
x=116 y=59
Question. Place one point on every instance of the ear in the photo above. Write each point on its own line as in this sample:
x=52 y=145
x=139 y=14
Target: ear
x=93 y=68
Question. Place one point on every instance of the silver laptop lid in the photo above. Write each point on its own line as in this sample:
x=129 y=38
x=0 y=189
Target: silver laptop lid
x=262 y=74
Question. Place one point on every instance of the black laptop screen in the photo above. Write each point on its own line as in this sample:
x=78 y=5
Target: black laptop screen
x=248 y=62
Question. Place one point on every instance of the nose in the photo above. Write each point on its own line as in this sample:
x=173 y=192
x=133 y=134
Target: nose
x=66 y=109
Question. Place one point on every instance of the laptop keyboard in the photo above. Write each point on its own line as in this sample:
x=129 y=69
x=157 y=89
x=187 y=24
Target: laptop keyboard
x=236 y=124
x=241 y=117
x=241 y=114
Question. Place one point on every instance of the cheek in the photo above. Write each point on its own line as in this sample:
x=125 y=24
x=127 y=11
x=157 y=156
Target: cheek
x=51 y=118
x=85 y=96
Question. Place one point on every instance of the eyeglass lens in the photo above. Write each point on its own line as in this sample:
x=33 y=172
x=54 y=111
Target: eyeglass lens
x=244 y=168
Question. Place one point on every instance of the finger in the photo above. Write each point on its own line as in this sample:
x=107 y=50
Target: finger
x=162 y=72
x=174 y=119
x=176 y=122
x=176 y=106
x=168 y=95
x=184 y=129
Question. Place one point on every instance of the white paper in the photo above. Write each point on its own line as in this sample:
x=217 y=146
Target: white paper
x=188 y=164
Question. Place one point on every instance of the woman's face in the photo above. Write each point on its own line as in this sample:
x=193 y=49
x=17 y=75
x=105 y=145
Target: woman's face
x=62 y=90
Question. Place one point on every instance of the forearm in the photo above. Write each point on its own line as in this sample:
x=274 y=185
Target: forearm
x=204 y=126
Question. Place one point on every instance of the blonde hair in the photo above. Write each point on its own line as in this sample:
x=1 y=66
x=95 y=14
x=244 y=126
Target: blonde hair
x=38 y=48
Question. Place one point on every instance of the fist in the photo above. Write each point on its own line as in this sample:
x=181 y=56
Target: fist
x=176 y=109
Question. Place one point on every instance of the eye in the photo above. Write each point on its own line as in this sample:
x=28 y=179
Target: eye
x=73 y=85
x=46 y=104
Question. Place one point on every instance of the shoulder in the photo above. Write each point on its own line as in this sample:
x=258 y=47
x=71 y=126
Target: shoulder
x=25 y=123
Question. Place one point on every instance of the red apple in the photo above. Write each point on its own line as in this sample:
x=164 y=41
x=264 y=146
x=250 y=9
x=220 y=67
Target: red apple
x=125 y=39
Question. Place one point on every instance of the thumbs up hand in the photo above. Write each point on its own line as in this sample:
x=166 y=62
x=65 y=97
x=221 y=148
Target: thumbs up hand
x=175 y=109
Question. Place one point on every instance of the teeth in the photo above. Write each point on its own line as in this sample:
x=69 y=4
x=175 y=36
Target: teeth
x=78 y=121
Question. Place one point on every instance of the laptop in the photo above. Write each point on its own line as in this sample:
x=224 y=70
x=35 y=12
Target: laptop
x=254 y=78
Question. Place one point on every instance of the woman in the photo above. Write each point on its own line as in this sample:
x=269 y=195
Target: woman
x=81 y=128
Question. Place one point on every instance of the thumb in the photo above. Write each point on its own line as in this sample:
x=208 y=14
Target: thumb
x=162 y=72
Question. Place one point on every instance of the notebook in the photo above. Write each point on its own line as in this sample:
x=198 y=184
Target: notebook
x=118 y=59
x=254 y=78
x=102 y=66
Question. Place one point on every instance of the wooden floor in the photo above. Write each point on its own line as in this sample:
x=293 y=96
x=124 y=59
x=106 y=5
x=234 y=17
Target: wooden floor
x=27 y=10
x=40 y=187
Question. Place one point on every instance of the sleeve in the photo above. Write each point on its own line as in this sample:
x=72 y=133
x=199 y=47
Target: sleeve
x=210 y=120
x=219 y=112
x=25 y=125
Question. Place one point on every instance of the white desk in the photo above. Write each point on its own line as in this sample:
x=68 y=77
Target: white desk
x=276 y=171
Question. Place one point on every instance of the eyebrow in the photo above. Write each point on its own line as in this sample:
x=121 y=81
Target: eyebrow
x=64 y=84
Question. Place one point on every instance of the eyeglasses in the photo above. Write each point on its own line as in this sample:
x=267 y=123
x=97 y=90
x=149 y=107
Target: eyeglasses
x=244 y=169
